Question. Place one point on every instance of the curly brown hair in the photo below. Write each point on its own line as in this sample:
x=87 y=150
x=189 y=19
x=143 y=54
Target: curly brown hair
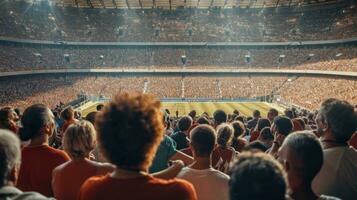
x=130 y=129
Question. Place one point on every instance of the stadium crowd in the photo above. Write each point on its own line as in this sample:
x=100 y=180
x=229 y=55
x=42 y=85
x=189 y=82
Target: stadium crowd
x=15 y=57
x=131 y=144
x=41 y=21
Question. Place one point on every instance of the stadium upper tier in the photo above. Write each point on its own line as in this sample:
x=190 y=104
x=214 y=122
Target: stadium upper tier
x=17 y=57
x=43 y=21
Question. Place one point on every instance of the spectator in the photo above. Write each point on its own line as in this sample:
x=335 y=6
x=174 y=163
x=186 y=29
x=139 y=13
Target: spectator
x=91 y=117
x=130 y=129
x=8 y=119
x=224 y=154
x=78 y=142
x=203 y=120
x=255 y=147
x=180 y=137
x=256 y=177
x=238 y=142
x=210 y=184
x=336 y=122
x=99 y=107
x=219 y=117
x=262 y=123
x=302 y=157
x=10 y=156
x=38 y=159
x=272 y=113
x=69 y=118
x=281 y=127
x=266 y=137
x=253 y=122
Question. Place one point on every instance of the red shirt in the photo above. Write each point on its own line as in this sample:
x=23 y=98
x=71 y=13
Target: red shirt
x=147 y=187
x=353 y=140
x=222 y=158
x=254 y=136
x=239 y=143
x=36 y=168
x=68 y=178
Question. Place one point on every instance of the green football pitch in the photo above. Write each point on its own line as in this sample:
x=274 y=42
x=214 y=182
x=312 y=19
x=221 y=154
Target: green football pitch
x=245 y=108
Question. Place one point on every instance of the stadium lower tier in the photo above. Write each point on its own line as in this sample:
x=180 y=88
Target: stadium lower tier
x=50 y=90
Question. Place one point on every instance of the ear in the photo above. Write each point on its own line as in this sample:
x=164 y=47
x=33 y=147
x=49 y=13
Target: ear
x=14 y=173
x=48 y=129
x=325 y=126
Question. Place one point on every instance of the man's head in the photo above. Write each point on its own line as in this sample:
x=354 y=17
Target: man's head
x=203 y=140
x=192 y=114
x=301 y=154
x=10 y=158
x=257 y=176
x=272 y=114
x=67 y=114
x=256 y=114
x=336 y=120
x=100 y=107
x=289 y=113
x=219 y=117
x=130 y=129
x=185 y=123
x=282 y=125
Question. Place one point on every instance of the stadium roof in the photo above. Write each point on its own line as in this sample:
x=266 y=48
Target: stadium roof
x=173 y=4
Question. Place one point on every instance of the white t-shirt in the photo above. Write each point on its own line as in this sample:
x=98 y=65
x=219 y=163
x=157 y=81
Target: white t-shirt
x=338 y=176
x=210 y=184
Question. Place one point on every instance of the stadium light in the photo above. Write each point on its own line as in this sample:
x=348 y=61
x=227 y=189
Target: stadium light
x=281 y=58
x=66 y=57
x=101 y=57
x=183 y=59
x=339 y=54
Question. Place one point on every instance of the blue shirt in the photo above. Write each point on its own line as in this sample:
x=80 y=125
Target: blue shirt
x=163 y=155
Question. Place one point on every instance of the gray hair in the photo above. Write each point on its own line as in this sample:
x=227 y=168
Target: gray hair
x=307 y=148
x=10 y=155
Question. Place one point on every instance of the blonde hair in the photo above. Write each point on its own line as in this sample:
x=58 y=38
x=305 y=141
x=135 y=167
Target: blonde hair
x=225 y=134
x=79 y=139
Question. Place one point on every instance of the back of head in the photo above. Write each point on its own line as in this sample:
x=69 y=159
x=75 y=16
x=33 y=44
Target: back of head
x=225 y=134
x=239 y=128
x=10 y=155
x=265 y=134
x=203 y=120
x=192 y=114
x=203 y=140
x=79 y=139
x=274 y=112
x=256 y=113
x=130 y=129
x=185 y=123
x=289 y=113
x=283 y=124
x=255 y=146
x=4 y=117
x=340 y=118
x=219 y=117
x=256 y=177
x=67 y=113
x=100 y=107
x=33 y=120
x=262 y=123
x=307 y=155
x=91 y=117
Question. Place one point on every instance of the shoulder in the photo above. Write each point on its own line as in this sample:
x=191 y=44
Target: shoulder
x=91 y=185
x=220 y=175
x=179 y=186
x=103 y=168
x=325 y=197
x=31 y=196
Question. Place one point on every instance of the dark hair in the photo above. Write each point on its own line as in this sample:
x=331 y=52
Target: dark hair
x=130 y=129
x=99 y=107
x=289 y=113
x=4 y=117
x=203 y=120
x=256 y=113
x=91 y=117
x=266 y=134
x=184 y=123
x=236 y=112
x=33 y=120
x=273 y=111
x=239 y=118
x=306 y=147
x=203 y=139
x=219 y=117
x=192 y=114
x=239 y=128
x=67 y=113
x=262 y=123
x=283 y=124
x=256 y=177
x=340 y=118
x=256 y=145
x=225 y=134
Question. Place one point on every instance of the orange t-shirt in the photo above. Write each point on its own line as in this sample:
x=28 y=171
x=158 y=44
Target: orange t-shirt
x=68 y=178
x=222 y=158
x=254 y=136
x=147 y=187
x=36 y=168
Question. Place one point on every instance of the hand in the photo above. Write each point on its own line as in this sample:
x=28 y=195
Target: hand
x=177 y=163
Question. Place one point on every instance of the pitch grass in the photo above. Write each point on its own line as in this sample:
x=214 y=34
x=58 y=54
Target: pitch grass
x=245 y=108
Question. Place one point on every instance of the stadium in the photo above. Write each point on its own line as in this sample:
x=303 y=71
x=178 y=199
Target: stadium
x=256 y=63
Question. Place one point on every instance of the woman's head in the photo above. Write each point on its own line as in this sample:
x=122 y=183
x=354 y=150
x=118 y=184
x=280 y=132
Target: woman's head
x=262 y=123
x=36 y=120
x=225 y=134
x=79 y=139
x=239 y=129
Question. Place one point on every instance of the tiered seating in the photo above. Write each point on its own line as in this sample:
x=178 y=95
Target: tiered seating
x=147 y=4
x=204 y=3
x=134 y=4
